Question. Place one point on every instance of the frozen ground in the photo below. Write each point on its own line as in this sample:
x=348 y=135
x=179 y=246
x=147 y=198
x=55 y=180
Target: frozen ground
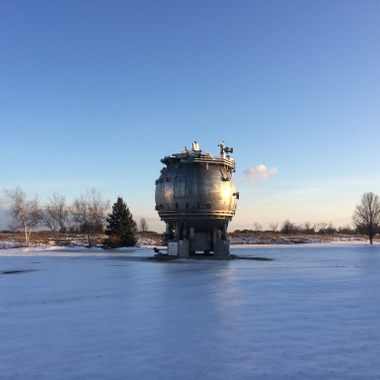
x=311 y=313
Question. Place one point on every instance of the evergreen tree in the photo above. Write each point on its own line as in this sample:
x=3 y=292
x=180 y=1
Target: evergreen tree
x=121 y=228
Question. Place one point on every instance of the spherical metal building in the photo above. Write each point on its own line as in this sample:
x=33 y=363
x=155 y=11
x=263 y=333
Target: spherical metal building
x=196 y=197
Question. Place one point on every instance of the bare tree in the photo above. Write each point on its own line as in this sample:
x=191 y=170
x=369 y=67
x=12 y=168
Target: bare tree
x=331 y=229
x=309 y=228
x=322 y=227
x=25 y=214
x=89 y=214
x=57 y=216
x=288 y=227
x=273 y=226
x=143 y=225
x=367 y=215
x=257 y=226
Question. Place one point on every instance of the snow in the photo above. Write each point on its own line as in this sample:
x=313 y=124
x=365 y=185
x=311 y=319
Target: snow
x=9 y=244
x=312 y=312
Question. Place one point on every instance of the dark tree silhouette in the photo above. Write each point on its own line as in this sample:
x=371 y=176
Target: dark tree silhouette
x=367 y=215
x=121 y=228
x=288 y=227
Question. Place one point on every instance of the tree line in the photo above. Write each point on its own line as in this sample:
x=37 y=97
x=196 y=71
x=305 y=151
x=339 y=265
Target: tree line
x=288 y=227
x=89 y=215
x=366 y=220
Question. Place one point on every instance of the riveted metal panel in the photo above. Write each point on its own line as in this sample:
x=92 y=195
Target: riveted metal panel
x=196 y=189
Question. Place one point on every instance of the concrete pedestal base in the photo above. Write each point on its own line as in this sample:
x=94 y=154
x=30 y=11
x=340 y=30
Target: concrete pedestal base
x=222 y=249
x=183 y=248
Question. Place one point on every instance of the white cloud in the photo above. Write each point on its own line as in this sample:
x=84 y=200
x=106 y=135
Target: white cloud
x=259 y=172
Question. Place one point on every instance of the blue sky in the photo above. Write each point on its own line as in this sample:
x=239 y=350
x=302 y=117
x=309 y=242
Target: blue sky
x=94 y=93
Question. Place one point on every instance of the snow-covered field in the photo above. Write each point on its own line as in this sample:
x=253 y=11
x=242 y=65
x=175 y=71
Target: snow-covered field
x=313 y=312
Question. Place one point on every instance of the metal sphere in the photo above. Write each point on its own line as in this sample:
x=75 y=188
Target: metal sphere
x=197 y=189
